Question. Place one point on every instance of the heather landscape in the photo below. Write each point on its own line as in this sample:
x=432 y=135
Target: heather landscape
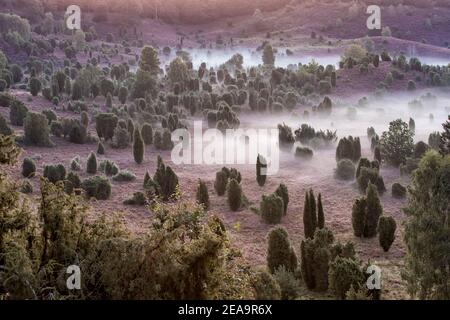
x=90 y=117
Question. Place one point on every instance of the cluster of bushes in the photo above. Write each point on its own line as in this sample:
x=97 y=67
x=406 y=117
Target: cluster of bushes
x=365 y=213
x=274 y=206
x=222 y=178
x=313 y=215
x=349 y=148
x=369 y=171
x=164 y=183
x=307 y=135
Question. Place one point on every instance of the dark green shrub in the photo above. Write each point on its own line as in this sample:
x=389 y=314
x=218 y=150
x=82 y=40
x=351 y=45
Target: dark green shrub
x=279 y=251
x=345 y=273
x=234 y=194
x=121 y=138
x=366 y=212
x=138 y=146
x=271 y=208
x=309 y=215
x=109 y=167
x=345 y=170
x=386 y=232
x=4 y=127
x=202 y=194
x=35 y=86
x=124 y=176
x=373 y=211
x=434 y=140
x=17 y=113
x=123 y=95
x=266 y=287
x=316 y=253
x=167 y=143
x=26 y=187
x=56 y=128
x=261 y=170
x=282 y=191
x=91 y=164
x=420 y=149
x=359 y=216
x=84 y=118
x=286 y=137
x=288 y=283
x=220 y=184
x=75 y=164
x=55 y=173
x=6 y=100
x=97 y=187
x=349 y=148
x=157 y=140
x=398 y=191
x=37 y=131
x=304 y=153
x=371 y=175
x=72 y=182
x=77 y=132
x=147 y=133
x=166 y=181
x=138 y=199
x=320 y=213
x=51 y=115
x=105 y=124
x=28 y=168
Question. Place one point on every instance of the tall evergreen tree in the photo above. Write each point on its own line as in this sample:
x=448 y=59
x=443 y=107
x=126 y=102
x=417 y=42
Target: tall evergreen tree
x=313 y=210
x=308 y=225
x=320 y=214
x=373 y=211
x=138 y=146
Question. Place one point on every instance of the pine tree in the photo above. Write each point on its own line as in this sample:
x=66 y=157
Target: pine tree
x=261 y=165
x=309 y=224
x=320 y=214
x=138 y=146
x=282 y=191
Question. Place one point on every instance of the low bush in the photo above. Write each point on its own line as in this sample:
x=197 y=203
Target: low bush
x=271 y=208
x=304 y=153
x=97 y=187
x=138 y=199
x=55 y=173
x=124 y=176
x=345 y=170
x=28 y=168
x=398 y=191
